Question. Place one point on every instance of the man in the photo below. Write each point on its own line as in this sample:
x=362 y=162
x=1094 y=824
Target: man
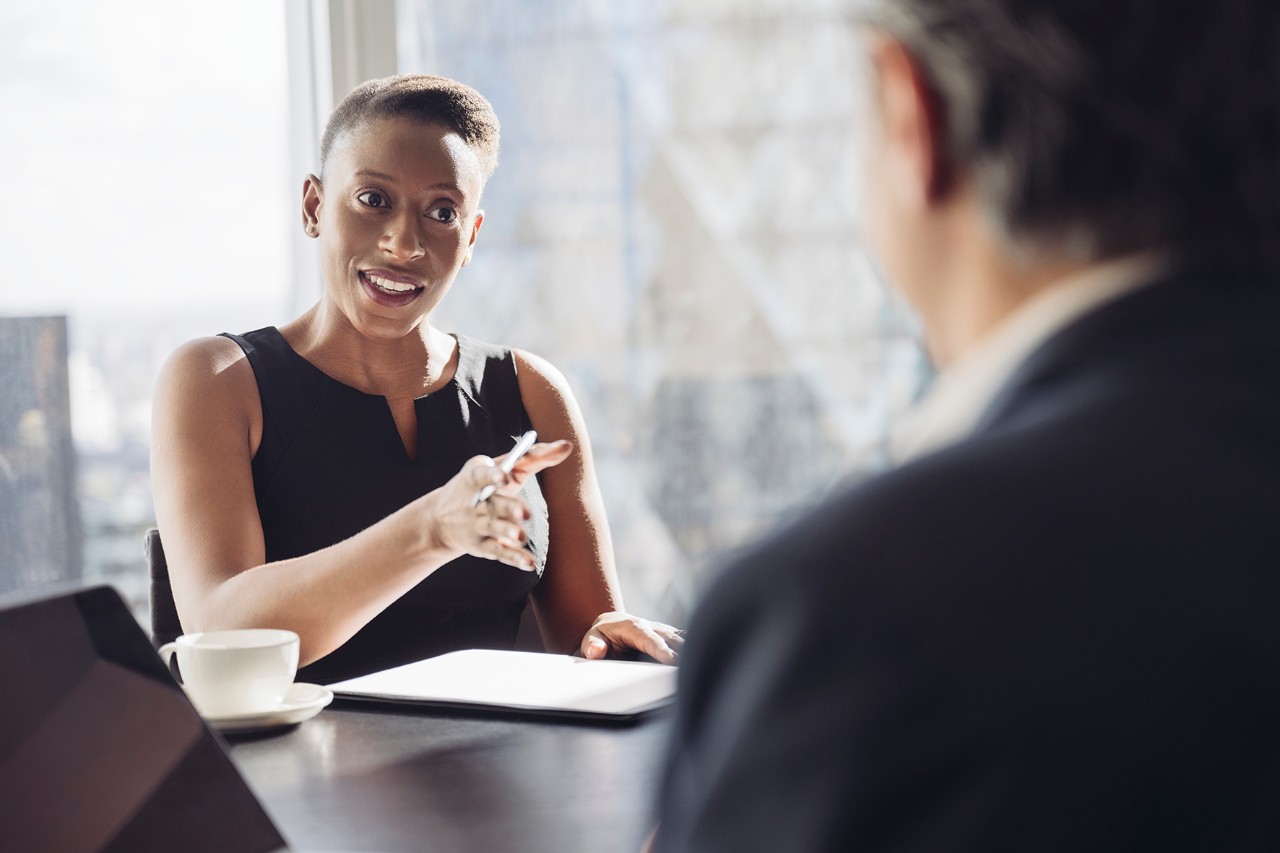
x=1056 y=626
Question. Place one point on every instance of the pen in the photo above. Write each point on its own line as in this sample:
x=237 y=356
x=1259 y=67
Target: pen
x=522 y=447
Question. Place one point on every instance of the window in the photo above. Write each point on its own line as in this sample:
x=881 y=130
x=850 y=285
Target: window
x=147 y=202
x=673 y=225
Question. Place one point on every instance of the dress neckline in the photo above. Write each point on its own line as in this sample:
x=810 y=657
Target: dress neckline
x=453 y=380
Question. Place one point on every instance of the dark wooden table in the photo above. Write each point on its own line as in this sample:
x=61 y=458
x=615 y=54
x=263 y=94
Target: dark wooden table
x=381 y=779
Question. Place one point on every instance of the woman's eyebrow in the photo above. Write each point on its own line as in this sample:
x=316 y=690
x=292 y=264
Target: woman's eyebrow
x=383 y=176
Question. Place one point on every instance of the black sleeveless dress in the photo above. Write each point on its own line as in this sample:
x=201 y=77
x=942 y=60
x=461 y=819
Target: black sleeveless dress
x=331 y=463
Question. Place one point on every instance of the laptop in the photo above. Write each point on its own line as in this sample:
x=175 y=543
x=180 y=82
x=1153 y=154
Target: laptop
x=100 y=750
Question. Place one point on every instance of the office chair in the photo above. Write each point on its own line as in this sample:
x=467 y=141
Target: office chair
x=165 y=626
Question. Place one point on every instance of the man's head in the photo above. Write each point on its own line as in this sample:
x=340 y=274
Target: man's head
x=1088 y=129
x=423 y=98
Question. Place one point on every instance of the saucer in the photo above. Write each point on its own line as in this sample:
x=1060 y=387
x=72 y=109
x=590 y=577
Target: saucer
x=301 y=702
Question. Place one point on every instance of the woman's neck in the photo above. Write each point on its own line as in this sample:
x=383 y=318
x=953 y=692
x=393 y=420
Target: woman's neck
x=397 y=368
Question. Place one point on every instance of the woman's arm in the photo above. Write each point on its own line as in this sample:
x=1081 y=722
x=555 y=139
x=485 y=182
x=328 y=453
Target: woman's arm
x=206 y=426
x=578 y=602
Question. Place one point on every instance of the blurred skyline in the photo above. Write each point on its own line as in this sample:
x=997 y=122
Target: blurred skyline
x=147 y=200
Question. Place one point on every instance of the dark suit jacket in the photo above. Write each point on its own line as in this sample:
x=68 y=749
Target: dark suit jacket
x=1061 y=633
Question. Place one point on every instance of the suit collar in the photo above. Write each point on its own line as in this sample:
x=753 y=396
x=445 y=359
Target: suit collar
x=967 y=389
x=1189 y=321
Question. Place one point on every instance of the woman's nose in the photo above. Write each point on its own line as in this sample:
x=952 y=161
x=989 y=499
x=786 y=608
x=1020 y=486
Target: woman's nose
x=403 y=238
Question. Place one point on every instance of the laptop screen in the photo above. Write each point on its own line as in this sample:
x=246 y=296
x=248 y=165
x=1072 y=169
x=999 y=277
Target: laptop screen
x=99 y=747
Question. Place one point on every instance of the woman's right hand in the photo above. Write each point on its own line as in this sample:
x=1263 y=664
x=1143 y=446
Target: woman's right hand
x=494 y=529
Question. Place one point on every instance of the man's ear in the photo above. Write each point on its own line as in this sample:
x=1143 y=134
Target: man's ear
x=912 y=122
x=475 y=230
x=312 y=198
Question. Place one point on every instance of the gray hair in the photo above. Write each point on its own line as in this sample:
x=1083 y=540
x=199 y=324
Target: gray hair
x=1101 y=127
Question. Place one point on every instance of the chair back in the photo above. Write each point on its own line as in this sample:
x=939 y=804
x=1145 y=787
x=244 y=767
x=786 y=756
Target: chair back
x=165 y=626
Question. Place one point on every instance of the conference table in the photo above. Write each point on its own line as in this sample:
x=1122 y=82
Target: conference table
x=386 y=778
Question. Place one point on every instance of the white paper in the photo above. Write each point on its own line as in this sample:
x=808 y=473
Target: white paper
x=521 y=680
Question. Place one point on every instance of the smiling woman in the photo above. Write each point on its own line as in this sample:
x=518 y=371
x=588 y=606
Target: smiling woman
x=320 y=477
x=401 y=199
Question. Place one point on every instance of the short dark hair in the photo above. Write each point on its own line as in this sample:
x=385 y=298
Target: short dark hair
x=422 y=97
x=1109 y=126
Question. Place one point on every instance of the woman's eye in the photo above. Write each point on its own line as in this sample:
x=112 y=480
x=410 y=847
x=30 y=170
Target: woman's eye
x=372 y=198
x=443 y=214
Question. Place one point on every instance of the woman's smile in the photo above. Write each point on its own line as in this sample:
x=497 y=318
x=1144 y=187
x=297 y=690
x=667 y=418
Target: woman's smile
x=391 y=290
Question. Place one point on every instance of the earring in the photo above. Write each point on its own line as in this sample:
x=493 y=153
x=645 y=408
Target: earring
x=311 y=230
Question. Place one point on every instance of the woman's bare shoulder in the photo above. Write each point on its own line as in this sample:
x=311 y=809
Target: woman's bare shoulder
x=542 y=385
x=548 y=399
x=213 y=369
x=214 y=349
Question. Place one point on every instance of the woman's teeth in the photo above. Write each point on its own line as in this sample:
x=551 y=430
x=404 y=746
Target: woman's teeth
x=392 y=286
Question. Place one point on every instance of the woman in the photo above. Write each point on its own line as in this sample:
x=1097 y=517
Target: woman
x=321 y=477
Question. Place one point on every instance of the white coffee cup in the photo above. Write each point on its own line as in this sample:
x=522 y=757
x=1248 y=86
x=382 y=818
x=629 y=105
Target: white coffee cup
x=243 y=671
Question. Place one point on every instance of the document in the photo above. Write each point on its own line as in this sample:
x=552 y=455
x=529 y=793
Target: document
x=529 y=682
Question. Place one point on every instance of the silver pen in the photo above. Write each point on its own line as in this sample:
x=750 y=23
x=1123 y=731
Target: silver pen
x=522 y=447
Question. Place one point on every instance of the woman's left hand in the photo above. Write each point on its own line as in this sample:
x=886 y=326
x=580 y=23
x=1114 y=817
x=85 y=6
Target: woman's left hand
x=616 y=632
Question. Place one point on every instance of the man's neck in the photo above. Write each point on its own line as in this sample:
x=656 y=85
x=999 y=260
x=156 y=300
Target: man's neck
x=983 y=290
x=970 y=381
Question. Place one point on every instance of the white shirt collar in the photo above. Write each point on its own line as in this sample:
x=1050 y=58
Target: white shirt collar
x=962 y=392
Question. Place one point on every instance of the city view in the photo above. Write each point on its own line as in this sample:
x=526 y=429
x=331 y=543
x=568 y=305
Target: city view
x=148 y=207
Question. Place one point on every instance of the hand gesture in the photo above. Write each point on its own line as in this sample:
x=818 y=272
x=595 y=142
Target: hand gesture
x=493 y=529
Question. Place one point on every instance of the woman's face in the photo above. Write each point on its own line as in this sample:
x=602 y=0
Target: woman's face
x=397 y=214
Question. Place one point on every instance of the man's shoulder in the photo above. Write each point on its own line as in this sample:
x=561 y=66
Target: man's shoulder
x=968 y=511
x=1090 y=452
x=884 y=531
x=975 y=476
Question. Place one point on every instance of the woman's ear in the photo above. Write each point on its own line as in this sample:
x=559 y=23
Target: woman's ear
x=475 y=230
x=312 y=198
